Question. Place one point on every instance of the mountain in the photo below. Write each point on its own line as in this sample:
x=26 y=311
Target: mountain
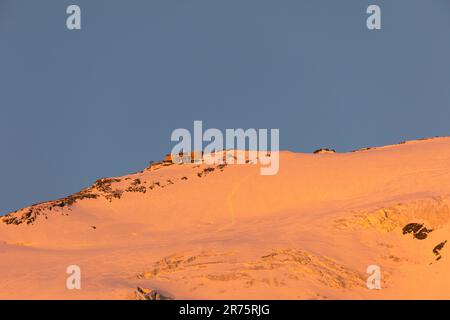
x=197 y=231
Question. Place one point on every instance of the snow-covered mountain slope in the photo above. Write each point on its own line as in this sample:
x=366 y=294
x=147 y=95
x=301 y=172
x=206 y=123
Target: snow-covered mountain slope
x=225 y=231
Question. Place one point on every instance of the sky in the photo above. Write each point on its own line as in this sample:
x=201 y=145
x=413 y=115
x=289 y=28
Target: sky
x=103 y=101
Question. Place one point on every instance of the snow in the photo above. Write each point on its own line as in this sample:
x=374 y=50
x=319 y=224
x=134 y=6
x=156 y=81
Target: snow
x=220 y=232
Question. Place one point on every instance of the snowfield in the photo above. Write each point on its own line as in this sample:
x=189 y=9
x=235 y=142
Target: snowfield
x=197 y=231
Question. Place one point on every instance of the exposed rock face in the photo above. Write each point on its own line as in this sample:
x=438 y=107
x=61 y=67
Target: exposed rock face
x=417 y=229
x=104 y=188
x=149 y=294
x=324 y=150
x=438 y=248
x=280 y=267
x=29 y=215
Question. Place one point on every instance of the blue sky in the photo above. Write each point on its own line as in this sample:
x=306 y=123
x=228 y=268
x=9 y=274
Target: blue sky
x=79 y=105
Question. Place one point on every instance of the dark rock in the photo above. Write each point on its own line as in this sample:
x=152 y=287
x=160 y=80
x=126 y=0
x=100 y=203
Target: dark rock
x=412 y=227
x=438 y=248
x=324 y=150
x=149 y=294
x=417 y=229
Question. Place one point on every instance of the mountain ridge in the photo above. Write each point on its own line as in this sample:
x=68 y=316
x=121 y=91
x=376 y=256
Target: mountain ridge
x=189 y=231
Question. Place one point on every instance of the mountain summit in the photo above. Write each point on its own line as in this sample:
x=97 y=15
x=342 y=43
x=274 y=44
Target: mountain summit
x=188 y=231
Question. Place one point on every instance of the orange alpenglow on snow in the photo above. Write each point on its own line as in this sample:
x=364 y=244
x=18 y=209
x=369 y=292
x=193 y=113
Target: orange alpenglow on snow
x=199 y=231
